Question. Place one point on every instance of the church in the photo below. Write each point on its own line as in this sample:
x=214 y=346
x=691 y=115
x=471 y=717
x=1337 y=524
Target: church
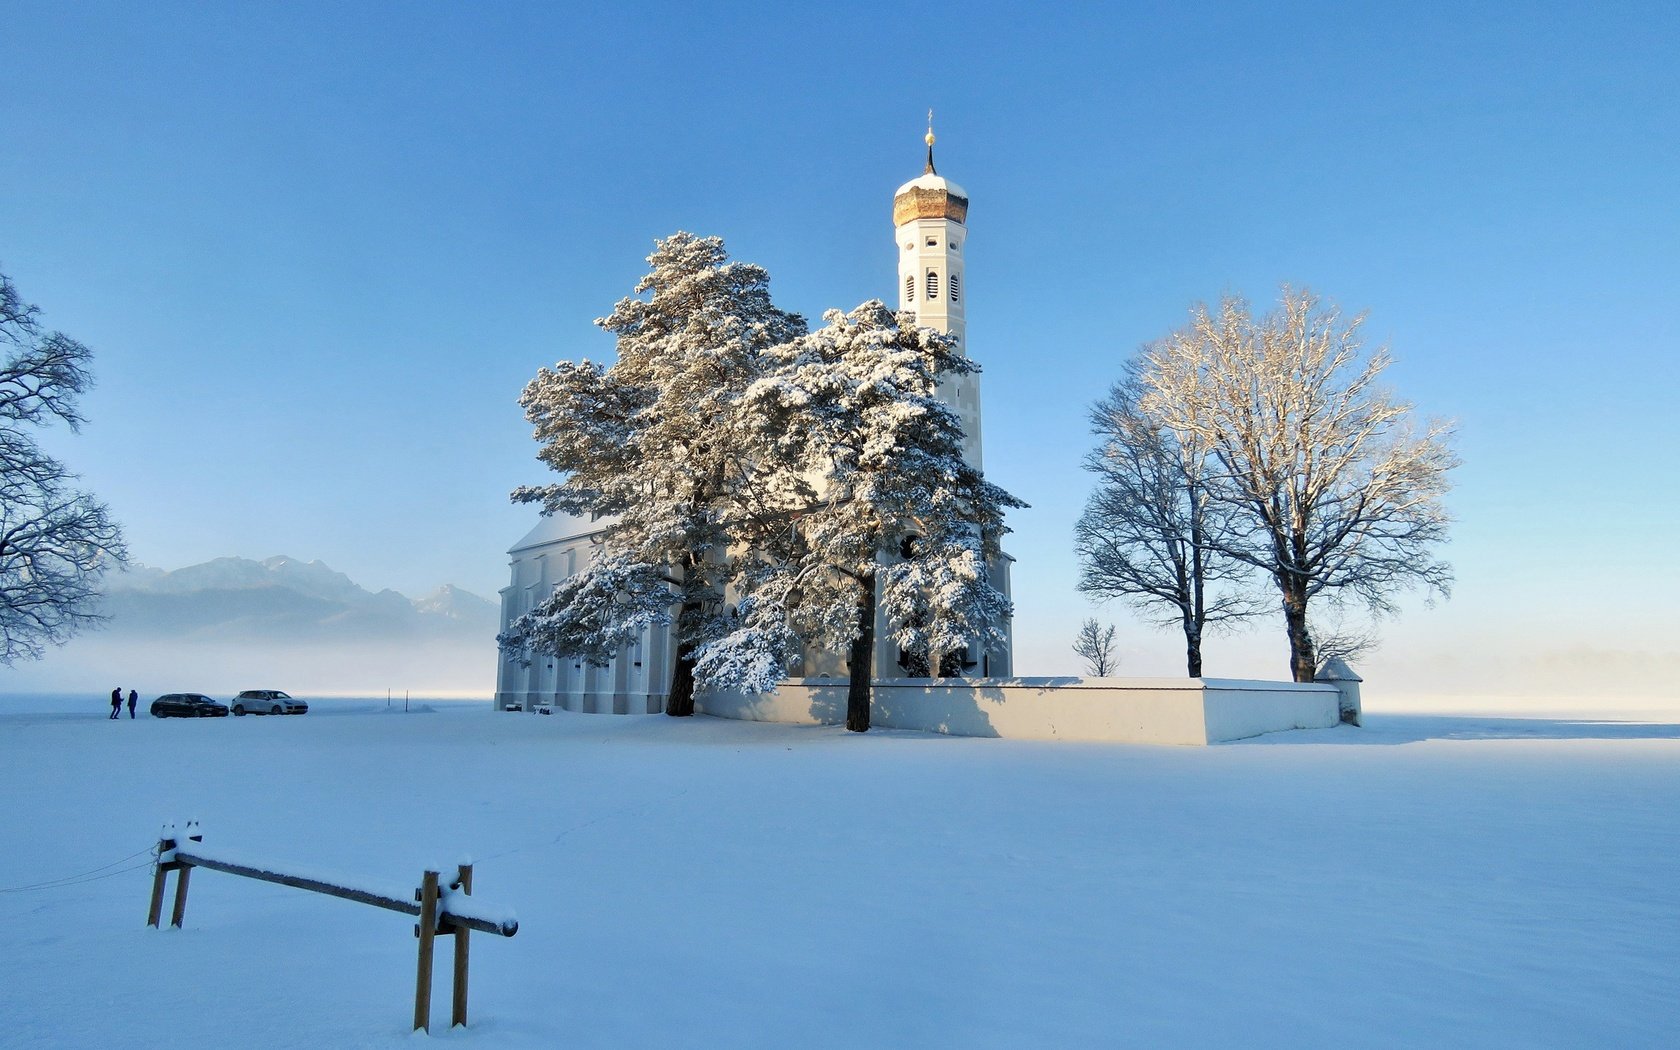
x=930 y=241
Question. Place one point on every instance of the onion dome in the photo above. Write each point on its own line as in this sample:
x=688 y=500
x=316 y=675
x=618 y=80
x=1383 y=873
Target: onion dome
x=931 y=195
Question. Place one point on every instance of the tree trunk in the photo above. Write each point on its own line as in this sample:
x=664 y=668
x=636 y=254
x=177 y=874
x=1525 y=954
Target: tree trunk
x=1194 y=622
x=1303 y=662
x=680 y=702
x=862 y=664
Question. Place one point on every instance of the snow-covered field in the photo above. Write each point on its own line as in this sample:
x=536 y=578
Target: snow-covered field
x=1493 y=879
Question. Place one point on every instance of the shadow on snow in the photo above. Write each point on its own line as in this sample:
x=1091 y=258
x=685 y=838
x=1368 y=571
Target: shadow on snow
x=1412 y=729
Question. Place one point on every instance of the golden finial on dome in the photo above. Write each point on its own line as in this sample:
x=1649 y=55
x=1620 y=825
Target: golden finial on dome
x=930 y=170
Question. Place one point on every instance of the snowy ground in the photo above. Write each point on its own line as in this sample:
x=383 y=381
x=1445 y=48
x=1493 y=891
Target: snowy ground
x=1501 y=879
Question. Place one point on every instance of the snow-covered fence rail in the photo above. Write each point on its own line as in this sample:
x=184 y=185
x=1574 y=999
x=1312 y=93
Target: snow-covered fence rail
x=446 y=909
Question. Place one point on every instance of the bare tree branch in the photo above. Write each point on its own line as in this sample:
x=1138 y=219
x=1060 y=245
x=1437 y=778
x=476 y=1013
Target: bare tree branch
x=1151 y=533
x=55 y=543
x=1342 y=489
x=1095 y=645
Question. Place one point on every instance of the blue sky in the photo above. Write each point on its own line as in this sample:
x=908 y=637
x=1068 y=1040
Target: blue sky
x=318 y=249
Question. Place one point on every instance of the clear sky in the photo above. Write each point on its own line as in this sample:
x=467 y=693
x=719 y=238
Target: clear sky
x=319 y=248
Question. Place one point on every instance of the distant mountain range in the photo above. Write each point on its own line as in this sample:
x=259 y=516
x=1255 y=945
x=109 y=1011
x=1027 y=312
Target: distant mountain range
x=283 y=599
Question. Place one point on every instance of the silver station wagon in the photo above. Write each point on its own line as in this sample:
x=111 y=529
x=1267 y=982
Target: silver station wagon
x=267 y=702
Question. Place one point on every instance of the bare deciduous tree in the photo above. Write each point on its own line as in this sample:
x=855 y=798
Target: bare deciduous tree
x=55 y=543
x=1336 y=638
x=1095 y=645
x=1151 y=532
x=1342 y=488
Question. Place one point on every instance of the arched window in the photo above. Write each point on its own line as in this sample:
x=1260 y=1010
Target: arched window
x=909 y=288
x=933 y=284
x=956 y=287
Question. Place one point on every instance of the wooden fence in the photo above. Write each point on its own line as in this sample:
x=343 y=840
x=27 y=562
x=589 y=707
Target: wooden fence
x=442 y=908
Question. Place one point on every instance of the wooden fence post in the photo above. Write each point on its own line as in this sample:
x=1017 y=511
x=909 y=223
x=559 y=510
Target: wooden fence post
x=183 y=871
x=458 y=1008
x=427 y=929
x=159 y=877
x=429 y=903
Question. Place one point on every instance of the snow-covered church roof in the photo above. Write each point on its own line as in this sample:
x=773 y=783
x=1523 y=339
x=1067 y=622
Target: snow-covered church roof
x=558 y=528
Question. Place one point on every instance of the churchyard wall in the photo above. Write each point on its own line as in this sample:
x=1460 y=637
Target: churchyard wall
x=1114 y=710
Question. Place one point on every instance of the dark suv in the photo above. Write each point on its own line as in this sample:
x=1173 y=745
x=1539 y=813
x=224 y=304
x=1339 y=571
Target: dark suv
x=267 y=702
x=186 y=705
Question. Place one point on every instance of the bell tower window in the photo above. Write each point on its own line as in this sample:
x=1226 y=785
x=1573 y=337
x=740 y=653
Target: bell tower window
x=933 y=284
x=909 y=288
x=956 y=287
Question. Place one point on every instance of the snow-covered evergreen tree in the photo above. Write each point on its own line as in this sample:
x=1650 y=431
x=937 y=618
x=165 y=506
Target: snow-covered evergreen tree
x=652 y=444
x=870 y=500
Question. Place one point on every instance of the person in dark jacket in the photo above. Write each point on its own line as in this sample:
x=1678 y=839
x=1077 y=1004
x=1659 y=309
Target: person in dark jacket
x=133 y=698
x=116 y=702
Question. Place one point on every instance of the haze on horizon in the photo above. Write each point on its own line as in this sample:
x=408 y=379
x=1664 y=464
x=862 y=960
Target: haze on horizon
x=318 y=252
x=235 y=623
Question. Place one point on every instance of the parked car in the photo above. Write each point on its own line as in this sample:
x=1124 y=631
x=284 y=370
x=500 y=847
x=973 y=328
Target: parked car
x=267 y=702
x=186 y=705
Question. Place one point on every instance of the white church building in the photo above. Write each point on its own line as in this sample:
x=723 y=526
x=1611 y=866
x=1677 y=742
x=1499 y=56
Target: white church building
x=930 y=237
x=930 y=240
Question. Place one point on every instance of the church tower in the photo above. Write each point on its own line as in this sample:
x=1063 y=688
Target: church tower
x=930 y=224
x=930 y=214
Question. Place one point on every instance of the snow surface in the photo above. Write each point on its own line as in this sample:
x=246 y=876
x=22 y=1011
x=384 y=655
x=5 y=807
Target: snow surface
x=1506 y=878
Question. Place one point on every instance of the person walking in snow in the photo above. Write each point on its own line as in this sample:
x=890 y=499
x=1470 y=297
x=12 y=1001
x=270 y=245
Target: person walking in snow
x=116 y=701
x=133 y=698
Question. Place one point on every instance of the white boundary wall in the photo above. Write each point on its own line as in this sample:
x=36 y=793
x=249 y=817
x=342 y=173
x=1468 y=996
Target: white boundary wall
x=1116 y=710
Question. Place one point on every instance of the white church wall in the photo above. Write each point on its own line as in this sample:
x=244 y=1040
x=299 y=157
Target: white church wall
x=630 y=684
x=1109 y=710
